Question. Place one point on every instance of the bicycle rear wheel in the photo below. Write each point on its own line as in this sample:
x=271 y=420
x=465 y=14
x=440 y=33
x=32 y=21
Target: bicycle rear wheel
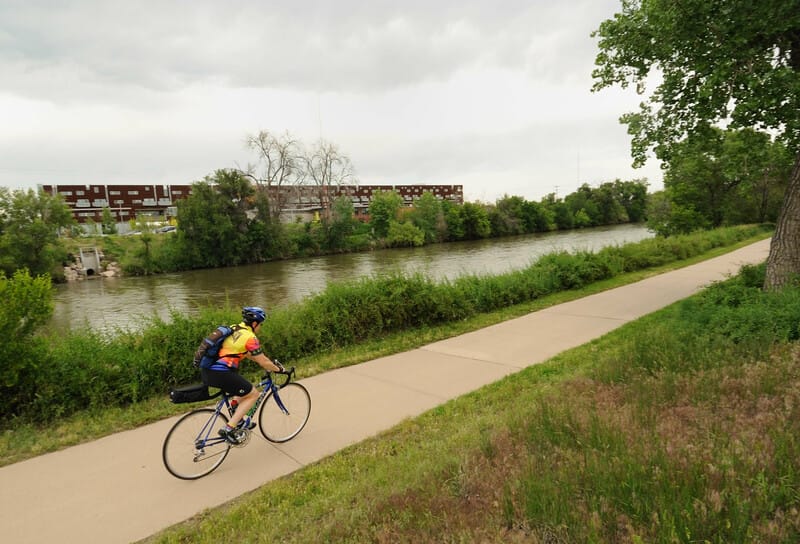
x=284 y=413
x=192 y=448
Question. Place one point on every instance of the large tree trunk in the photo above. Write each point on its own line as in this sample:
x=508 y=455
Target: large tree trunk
x=783 y=263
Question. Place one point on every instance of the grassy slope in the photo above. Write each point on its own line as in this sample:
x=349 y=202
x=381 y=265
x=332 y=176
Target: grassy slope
x=593 y=445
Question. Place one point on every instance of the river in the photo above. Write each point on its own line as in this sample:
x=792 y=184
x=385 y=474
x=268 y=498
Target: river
x=109 y=304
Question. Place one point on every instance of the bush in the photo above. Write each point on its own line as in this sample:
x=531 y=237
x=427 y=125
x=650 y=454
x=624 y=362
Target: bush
x=27 y=305
x=404 y=235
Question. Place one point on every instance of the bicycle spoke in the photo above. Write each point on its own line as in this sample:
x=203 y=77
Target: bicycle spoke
x=284 y=413
x=181 y=455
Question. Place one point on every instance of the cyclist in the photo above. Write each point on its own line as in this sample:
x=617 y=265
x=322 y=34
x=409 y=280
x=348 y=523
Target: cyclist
x=224 y=373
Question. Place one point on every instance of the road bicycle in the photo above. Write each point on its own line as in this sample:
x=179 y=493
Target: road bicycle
x=193 y=448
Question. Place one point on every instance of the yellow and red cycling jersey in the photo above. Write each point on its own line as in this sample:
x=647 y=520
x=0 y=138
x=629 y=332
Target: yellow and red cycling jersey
x=238 y=345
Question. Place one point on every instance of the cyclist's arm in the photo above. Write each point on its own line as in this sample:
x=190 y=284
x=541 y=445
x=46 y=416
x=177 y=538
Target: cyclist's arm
x=263 y=361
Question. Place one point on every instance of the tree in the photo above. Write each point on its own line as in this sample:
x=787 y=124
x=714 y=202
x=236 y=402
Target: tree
x=763 y=167
x=383 y=210
x=428 y=217
x=537 y=217
x=29 y=225
x=583 y=207
x=213 y=221
x=731 y=61
x=475 y=221
x=27 y=305
x=506 y=217
x=280 y=163
x=326 y=166
x=108 y=223
x=562 y=216
x=235 y=188
x=633 y=197
x=145 y=263
x=717 y=177
x=454 y=221
x=342 y=223
x=609 y=209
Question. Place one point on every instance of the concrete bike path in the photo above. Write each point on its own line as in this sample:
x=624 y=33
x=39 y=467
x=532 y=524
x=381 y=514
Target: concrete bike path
x=116 y=489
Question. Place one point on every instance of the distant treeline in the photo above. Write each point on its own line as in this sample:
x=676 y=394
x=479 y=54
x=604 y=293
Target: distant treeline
x=226 y=221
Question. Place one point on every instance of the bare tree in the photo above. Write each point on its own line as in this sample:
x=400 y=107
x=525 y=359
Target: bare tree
x=326 y=166
x=279 y=165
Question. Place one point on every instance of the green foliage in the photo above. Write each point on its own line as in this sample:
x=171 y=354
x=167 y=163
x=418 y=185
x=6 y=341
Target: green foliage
x=351 y=311
x=108 y=223
x=29 y=225
x=342 y=223
x=383 y=210
x=454 y=221
x=214 y=229
x=703 y=356
x=65 y=374
x=428 y=217
x=475 y=221
x=27 y=305
x=720 y=177
x=85 y=369
x=207 y=224
x=404 y=235
x=728 y=59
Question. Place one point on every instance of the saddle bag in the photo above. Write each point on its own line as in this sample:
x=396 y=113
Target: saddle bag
x=191 y=393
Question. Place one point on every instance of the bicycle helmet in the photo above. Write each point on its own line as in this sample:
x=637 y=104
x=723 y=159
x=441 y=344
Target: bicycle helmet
x=253 y=313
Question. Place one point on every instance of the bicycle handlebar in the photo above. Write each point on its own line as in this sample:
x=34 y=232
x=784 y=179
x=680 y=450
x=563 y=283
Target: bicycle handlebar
x=288 y=372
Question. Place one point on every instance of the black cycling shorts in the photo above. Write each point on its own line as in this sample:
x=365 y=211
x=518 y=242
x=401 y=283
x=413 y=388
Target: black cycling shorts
x=232 y=383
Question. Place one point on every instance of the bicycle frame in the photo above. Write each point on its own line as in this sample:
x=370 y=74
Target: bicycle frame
x=267 y=386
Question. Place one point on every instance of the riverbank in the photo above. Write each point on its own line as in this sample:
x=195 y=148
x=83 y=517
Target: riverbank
x=163 y=350
x=128 y=302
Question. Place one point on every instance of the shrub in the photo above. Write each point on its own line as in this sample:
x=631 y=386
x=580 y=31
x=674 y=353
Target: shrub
x=27 y=305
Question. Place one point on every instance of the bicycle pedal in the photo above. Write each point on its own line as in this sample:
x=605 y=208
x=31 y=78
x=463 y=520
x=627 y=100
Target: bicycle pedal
x=242 y=437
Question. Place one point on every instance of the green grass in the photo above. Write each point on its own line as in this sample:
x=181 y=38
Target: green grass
x=22 y=440
x=598 y=444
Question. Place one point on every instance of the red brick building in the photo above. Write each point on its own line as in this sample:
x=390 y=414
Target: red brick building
x=126 y=202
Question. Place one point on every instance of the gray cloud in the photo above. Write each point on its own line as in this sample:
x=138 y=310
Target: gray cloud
x=493 y=93
x=321 y=46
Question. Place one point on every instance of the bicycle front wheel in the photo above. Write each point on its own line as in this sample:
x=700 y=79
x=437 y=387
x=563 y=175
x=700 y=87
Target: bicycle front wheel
x=192 y=448
x=284 y=413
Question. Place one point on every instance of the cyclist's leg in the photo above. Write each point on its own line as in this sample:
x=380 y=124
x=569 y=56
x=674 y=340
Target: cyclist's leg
x=233 y=384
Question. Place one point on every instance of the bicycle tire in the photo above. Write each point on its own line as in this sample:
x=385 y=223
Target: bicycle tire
x=180 y=455
x=277 y=426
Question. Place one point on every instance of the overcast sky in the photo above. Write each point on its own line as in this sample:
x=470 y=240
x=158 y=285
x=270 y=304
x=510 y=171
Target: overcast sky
x=493 y=95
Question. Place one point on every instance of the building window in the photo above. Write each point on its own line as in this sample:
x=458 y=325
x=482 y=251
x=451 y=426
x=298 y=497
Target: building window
x=133 y=193
x=114 y=193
